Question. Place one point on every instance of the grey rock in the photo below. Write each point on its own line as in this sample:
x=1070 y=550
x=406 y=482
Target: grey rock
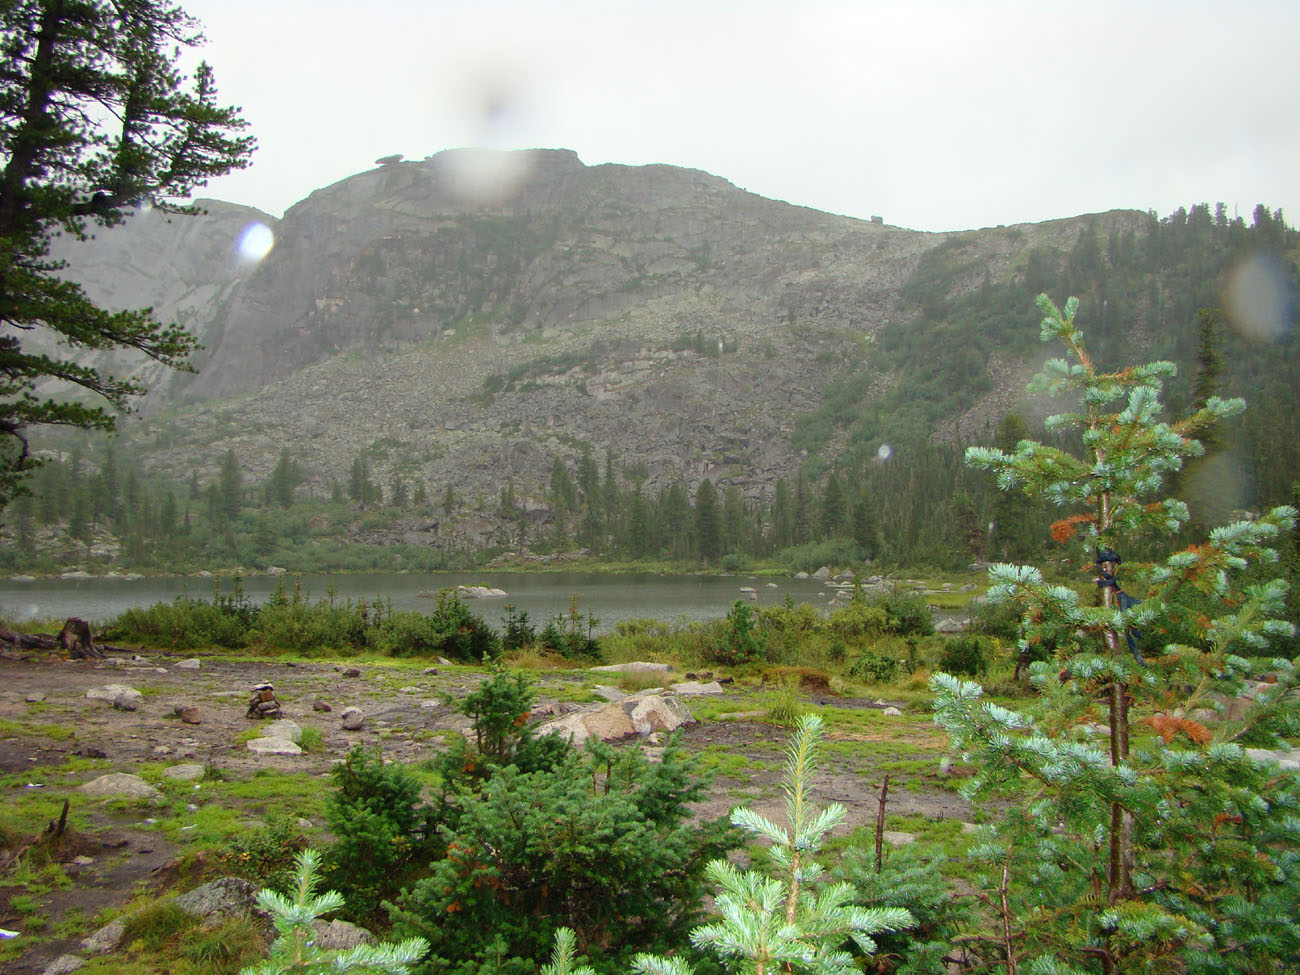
x=892 y=712
x=609 y=693
x=340 y=935
x=224 y=897
x=696 y=688
x=633 y=667
x=118 y=695
x=121 y=784
x=63 y=965
x=273 y=746
x=34 y=698
x=898 y=838
x=321 y=706
x=106 y=938
x=639 y=715
x=352 y=718
x=822 y=574
x=192 y=663
x=187 y=772
x=284 y=728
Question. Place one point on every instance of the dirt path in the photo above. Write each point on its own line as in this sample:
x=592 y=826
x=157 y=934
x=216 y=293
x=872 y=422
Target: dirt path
x=53 y=738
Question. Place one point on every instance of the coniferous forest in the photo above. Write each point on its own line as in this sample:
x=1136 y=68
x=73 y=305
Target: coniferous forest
x=882 y=478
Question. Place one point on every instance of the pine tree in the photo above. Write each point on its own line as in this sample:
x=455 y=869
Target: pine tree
x=1169 y=847
x=230 y=487
x=832 y=508
x=708 y=523
x=96 y=119
x=790 y=921
x=294 y=951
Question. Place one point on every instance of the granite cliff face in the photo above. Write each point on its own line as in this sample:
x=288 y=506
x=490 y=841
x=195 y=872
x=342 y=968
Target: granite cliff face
x=467 y=317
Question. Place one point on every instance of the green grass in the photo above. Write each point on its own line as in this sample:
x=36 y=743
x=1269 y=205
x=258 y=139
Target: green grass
x=723 y=760
x=11 y=728
x=312 y=740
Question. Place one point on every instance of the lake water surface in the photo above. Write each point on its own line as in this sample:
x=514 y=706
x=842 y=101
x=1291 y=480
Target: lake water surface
x=610 y=598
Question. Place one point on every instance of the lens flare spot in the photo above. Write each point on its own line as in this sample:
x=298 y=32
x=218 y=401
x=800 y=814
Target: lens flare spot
x=255 y=242
x=1258 y=298
x=484 y=176
x=884 y=452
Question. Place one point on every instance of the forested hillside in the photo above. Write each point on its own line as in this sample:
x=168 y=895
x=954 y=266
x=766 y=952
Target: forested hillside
x=875 y=472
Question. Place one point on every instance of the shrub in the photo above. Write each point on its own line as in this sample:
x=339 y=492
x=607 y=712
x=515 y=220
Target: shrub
x=907 y=613
x=741 y=643
x=519 y=632
x=964 y=654
x=499 y=710
x=267 y=854
x=907 y=879
x=185 y=624
x=859 y=619
x=875 y=668
x=451 y=631
x=382 y=830
x=735 y=562
x=569 y=635
x=1001 y=619
x=811 y=557
x=604 y=843
x=295 y=950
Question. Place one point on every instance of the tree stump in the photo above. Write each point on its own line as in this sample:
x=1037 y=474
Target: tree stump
x=75 y=638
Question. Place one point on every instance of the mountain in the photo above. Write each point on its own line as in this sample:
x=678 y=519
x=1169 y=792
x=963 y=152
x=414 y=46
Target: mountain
x=465 y=319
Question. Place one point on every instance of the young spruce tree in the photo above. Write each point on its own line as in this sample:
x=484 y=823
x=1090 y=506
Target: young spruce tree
x=1152 y=839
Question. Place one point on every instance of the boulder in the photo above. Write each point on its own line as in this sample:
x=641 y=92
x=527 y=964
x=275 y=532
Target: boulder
x=634 y=667
x=273 y=746
x=340 y=935
x=193 y=663
x=63 y=965
x=352 y=718
x=121 y=696
x=694 y=687
x=189 y=713
x=609 y=693
x=822 y=574
x=641 y=715
x=897 y=838
x=321 y=706
x=121 y=784
x=187 y=772
x=107 y=938
x=284 y=728
x=226 y=897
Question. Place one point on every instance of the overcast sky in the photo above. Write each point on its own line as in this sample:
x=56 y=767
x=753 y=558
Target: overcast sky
x=935 y=115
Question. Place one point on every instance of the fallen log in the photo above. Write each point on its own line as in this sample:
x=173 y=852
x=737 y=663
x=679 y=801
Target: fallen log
x=74 y=639
x=27 y=641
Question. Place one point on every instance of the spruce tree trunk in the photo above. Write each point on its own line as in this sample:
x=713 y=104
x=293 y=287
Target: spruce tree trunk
x=1119 y=875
